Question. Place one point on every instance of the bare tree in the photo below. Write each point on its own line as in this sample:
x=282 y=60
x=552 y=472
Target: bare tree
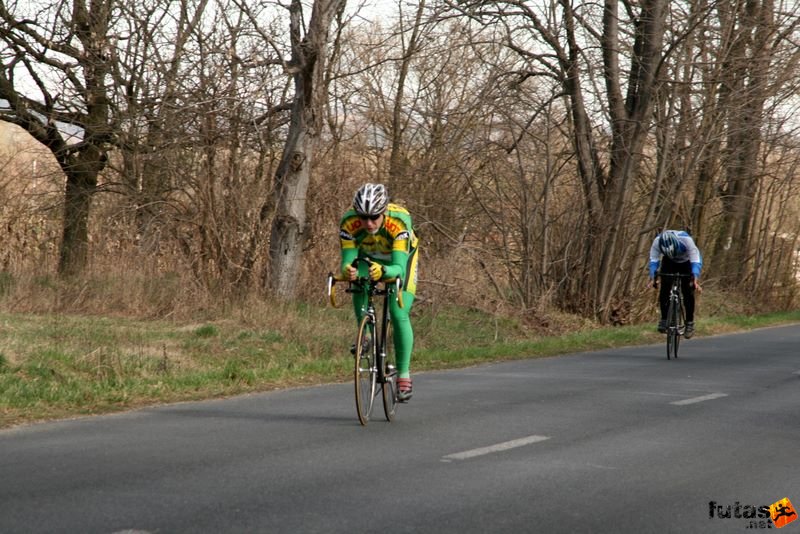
x=154 y=100
x=54 y=74
x=554 y=44
x=747 y=76
x=732 y=58
x=307 y=67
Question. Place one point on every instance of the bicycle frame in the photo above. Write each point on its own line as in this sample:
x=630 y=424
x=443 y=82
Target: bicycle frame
x=676 y=313
x=372 y=290
x=374 y=363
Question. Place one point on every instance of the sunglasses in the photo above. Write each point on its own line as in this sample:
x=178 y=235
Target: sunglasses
x=370 y=217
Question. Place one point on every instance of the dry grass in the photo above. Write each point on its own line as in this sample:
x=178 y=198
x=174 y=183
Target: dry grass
x=58 y=363
x=147 y=327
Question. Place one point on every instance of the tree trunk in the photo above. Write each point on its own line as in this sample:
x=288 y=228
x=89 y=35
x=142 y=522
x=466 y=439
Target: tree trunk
x=750 y=76
x=397 y=158
x=629 y=126
x=89 y=56
x=75 y=237
x=287 y=235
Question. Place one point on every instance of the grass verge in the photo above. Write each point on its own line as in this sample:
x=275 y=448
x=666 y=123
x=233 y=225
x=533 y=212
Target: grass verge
x=58 y=366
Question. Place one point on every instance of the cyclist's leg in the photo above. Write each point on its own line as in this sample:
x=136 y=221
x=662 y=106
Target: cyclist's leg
x=663 y=297
x=401 y=323
x=359 y=305
x=360 y=300
x=688 y=296
x=403 y=333
x=687 y=288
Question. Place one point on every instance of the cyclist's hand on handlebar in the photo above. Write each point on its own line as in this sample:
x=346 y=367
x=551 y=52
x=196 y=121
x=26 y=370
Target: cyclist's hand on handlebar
x=376 y=271
x=654 y=283
x=350 y=273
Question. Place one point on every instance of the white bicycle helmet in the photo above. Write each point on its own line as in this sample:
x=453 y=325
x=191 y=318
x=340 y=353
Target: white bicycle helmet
x=669 y=244
x=371 y=200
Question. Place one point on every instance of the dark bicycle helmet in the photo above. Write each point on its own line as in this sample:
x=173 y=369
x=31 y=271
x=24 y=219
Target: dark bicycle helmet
x=669 y=244
x=371 y=199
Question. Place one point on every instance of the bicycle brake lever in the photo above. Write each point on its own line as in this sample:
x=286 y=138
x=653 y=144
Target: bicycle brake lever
x=332 y=289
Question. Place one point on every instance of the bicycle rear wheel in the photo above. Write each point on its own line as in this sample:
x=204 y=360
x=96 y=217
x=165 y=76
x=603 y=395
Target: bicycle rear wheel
x=365 y=370
x=389 y=385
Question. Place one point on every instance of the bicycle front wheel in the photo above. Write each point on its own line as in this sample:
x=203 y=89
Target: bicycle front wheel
x=673 y=330
x=389 y=385
x=673 y=340
x=365 y=370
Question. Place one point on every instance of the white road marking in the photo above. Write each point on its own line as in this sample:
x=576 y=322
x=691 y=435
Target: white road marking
x=604 y=467
x=513 y=444
x=694 y=400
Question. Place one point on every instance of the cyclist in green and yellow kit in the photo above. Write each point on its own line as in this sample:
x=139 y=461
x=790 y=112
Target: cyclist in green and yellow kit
x=381 y=231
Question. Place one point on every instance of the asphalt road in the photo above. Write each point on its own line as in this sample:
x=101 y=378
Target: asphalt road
x=613 y=441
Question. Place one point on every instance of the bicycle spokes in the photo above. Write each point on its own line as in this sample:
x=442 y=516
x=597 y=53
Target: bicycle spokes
x=374 y=367
x=365 y=372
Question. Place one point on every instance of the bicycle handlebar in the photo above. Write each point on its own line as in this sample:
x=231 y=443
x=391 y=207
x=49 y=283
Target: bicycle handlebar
x=670 y=275
x=333 y=278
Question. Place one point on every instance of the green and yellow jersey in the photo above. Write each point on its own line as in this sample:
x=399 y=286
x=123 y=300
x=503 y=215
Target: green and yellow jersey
x=394 y=245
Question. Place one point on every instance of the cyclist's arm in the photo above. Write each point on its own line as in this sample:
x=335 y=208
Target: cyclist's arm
x=694 y=256
x=347 y=243
x=402 y=235
x=697 y=265
x=348 y=255
x=397 y=267
x=655 y=259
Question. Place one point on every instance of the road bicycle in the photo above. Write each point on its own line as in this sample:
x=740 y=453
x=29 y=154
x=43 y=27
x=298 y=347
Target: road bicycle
x=375 y=369
x=676 y=313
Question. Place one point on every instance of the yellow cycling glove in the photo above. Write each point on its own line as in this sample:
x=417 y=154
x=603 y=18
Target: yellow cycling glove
x=375 y=271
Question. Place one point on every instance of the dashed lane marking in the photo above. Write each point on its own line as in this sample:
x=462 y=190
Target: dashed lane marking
x=513 y=444
x=695 y=400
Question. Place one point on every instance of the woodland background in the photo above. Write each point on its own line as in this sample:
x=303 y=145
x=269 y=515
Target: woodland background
x=161 y=158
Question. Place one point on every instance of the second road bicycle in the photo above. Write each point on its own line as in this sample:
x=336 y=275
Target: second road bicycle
x=676 y=313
